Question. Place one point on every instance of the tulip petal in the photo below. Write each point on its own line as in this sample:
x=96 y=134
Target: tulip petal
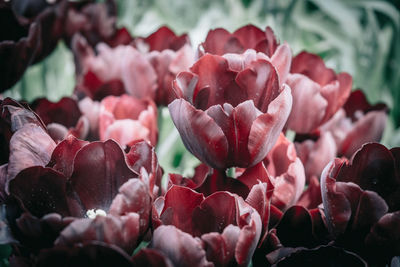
x=200 y=134
x=99 y=171
x=41 y=190
x=308 y=105
x=267 y=127
x=63 y=155
x=181 y=248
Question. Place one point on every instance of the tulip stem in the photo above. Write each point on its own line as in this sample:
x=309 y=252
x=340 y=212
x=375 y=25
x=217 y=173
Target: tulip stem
x=231 y=172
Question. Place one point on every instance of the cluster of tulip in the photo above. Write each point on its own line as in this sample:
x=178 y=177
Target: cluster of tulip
x=80 y=182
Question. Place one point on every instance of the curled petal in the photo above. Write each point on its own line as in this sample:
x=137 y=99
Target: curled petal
x=281 y=59
x=200 y=134
x=63 y=155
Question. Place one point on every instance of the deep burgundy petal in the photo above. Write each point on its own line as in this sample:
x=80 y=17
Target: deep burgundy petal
x=89 y=254
x=295 y=228
x=220 y=248
x=346 y=205
x=165 y=38
x=41 y=191
x=142 y=155
x=100 y=169
x=320 y=256
x=261 y=83
x=179 y=205
x=384 y=237
x=373 y=168
x=151 y=257
x=65 y=111
x=214 y=214
x=18 y=45
x=62 y=158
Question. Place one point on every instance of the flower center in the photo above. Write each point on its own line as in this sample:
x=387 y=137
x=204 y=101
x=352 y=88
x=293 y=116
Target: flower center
x=93 y=213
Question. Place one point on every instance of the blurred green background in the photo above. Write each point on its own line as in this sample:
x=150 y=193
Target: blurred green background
x=361 y=37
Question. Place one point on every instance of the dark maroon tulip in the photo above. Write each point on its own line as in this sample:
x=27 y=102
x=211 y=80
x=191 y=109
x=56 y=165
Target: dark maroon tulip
x=127 y=119
x=62 y=118
x=220 y=42
x=346 y=205
x=356 y=124
x=375 y=168
x=297 y=228
x=318 y=93
x=208 y=181
x=169 y=54
x=96 y=22
x=319 y=256
x=89 y=254
x=19 y=43
x=63 y=191
x=356 y=198
x=151 y=257
x=113 y=70
x=384 y=238
x=230 y=117
x=36 y=27
x=142 y=159
x=220 y=220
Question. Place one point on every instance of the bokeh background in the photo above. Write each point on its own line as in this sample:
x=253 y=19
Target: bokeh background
x=361 y=37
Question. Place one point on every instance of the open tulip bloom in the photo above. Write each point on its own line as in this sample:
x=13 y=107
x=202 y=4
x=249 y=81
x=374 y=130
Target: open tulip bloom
x=288 y=171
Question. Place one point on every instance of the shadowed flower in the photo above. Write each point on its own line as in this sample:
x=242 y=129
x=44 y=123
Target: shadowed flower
x=62 y=118
x=49 y=204
x=230 y=117
x=357 y=197
x=19 y=43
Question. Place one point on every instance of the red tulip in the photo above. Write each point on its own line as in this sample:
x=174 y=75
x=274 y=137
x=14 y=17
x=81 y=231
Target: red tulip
x=221 y=229
x=229 y=117
x=317 y=92
x=220 y=42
